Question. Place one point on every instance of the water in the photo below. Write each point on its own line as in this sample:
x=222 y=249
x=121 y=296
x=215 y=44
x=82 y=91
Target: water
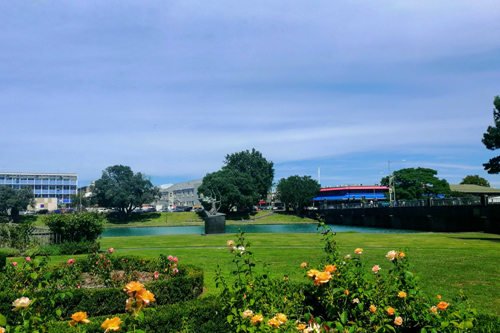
x=249 y=228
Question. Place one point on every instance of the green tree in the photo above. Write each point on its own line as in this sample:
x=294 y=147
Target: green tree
x=257 y=167
x=491 y=139
x=76 y=227
x=79 y=200
x=412 y=184
x=121 y=189
x=12 y=200
x=296 y=192
x=475 y=180
x=232 y=189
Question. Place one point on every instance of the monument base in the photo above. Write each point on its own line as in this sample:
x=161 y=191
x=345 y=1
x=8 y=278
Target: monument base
x=215 y=224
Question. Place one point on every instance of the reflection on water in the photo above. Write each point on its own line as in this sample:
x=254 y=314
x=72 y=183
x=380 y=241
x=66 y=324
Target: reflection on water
x=249 y=228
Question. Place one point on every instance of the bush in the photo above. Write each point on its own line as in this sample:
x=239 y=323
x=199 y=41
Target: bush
x=3 y=260
x=76 y=227
x=81 y=247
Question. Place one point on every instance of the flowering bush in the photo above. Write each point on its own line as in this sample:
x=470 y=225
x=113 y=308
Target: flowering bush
x=349 y=297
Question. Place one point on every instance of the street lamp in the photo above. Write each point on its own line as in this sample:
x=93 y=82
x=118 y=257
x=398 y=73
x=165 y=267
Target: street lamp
x=392 y=187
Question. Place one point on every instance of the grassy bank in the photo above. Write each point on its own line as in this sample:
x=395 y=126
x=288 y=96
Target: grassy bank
x=190 y=219
x=445 y=263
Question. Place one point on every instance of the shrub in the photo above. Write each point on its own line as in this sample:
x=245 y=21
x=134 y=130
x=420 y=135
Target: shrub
x=76 y=227
x=3 y=259
x=83 y=246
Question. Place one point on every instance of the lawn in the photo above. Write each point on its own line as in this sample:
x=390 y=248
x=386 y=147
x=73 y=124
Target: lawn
x=444 y=262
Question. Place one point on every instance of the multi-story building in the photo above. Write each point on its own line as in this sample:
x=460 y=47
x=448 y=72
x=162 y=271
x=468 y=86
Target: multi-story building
x=49 y=188
x=181 y=194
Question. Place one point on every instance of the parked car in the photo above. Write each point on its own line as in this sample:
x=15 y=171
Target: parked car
x=42 y=211
x=29 y=212
x=56 y=211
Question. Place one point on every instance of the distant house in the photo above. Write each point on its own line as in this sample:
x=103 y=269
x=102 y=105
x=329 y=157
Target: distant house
x=181 y=194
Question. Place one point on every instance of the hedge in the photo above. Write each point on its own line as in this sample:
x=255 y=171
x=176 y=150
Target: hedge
x=107 y=301
x=200 y=315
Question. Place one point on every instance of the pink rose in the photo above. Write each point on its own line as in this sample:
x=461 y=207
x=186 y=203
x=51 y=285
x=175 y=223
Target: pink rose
x=170 y=258
x=10 y=259
x=175 y=270
x=156 y=274
x=96 y=262
x=111 y=250
x=28 y=259
x=15 y=264
x=123 y=259
x=175 y=259
x=375 y=269
x=100 y=255
x=143 y=262
x=71 y=261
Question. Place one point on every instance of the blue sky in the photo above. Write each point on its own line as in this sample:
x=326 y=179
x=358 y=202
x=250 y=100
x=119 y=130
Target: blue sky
x=170 y=87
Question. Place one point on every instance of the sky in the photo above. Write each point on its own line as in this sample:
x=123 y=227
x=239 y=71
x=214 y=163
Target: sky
x=169 y=88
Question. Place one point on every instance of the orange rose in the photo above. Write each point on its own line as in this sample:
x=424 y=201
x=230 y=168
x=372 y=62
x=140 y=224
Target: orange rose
x=346 y=292
x=390 y=311
x=402 y=294
x=281 y=317
x=79 y=317
x=145 y=295
x=443 y=305
x=301 y=327
x=112 y=324
x=133 y=286
x=322 y=278
x=401 y=254
x=433 y=309
x=330 y=268
x=373 y=308
x=304 y=264
x=439 y=296
x=398 y=321
x=358 y=251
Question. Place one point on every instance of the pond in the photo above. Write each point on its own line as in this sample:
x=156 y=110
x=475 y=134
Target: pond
x=249 y=228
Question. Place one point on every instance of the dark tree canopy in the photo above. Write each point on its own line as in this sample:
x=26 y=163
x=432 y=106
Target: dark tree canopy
x=296 y=192
x=412 y=184
x=234 y=189
x=475 y=180
x=12 y=201
x=491 y=139
x=245 y=178
x=121 y=189
x=257 y=167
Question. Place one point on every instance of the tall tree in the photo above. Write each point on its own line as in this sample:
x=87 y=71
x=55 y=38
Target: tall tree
x=475 y=180
x=257 y=167
x=491 y=139
x=296 y=192
x=231 y=189
x=121 y=189
x=412 y=184
x=12 y=201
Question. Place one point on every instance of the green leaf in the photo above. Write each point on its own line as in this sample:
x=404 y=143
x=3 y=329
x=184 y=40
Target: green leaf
x=445 y=324
x=58 y=312
x=343 y=317
x=423 y=330
x=339 y=326
x=230 y=319
x=3 y=320
x=33 y=275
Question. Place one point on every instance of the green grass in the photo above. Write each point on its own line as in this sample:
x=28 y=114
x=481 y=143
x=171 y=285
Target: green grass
x=445 y=263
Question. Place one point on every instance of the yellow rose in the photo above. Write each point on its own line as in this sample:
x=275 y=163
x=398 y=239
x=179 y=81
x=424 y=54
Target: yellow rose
x=111 y=324
x=330 y=268
x=322 y=278
x=22 y=302
x=312 y=273
x=402 y=294
x=358 y=251
x=281 y=317
x=257 y=319
x=274 y=323
x=373 y=308
x=79 y=317
x=230 y=243
x=247 y=314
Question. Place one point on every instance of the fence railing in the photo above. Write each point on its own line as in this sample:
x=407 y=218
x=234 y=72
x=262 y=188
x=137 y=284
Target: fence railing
x=39 y=236
x=409 y=203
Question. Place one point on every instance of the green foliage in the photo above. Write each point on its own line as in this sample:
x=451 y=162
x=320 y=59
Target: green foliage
x=231 y=188
x=296 y=192
x=475 y=180
x=12 y=201
x=18 y=236
x=244 y=179
x=76 y=227
x=491 y=139
x=253 y=164
x=121 y=189
x=414 y=184
x=80 y=247
x=3 y=258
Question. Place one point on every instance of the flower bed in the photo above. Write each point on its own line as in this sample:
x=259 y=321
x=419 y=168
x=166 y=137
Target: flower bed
x=59 y=292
